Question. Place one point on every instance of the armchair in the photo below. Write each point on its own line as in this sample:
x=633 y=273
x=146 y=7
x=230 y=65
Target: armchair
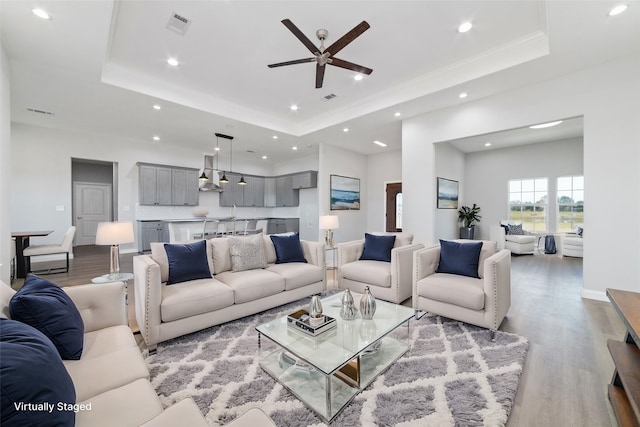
x=389 y=281
x=482 y=302
x=519 y=244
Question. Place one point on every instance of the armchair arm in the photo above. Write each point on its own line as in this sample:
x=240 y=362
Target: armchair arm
x=402 y=269
x=497 y=285
x=425 y=263
x=101 y=305
x=148 y=296
x=349 y=251
x=497 y=234
x=313 y=252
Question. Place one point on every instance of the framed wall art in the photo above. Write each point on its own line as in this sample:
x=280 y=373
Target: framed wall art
x=447 y=193
x=345 y=193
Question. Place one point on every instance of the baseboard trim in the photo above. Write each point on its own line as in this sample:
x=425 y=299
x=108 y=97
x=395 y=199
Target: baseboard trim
x=595 y=295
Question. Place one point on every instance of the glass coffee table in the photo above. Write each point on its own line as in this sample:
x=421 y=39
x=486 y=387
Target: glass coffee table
x=328 y=371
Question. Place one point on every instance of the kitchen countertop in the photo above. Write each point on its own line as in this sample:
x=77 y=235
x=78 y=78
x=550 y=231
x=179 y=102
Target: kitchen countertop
x=227 y=218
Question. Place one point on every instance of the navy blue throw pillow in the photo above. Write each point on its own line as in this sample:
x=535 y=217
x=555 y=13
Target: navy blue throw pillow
x=33 y=376
x=187 y=261
x=378 y=248
x=459 y=258
x=45 y=306
x=288 y=248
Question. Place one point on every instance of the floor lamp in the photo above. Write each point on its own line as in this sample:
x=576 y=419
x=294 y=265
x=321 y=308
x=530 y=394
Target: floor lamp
x=114 y=234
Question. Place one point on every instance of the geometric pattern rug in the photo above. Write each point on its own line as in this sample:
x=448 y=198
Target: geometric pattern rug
x=452 y=375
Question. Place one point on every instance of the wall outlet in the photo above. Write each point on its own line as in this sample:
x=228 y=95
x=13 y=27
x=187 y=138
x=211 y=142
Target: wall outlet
x=60 y=208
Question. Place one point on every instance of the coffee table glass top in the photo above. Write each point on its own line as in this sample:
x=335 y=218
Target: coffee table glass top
x=332 y=349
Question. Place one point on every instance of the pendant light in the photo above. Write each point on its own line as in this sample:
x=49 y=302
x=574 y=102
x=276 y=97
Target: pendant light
x=224 y=178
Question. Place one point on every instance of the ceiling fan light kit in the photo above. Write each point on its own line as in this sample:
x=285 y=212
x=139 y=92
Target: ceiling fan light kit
x=323 y=56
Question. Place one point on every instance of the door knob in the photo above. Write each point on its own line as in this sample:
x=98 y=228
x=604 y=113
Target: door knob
x=79 y=217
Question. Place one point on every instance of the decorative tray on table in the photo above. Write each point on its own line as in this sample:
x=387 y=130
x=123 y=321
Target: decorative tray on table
x=301 y=321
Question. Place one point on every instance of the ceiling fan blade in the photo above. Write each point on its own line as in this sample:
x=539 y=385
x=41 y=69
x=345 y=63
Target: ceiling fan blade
x=350 y=66
x=339 y=44
x=319 y=75
x=295 y=61
x=305 y=41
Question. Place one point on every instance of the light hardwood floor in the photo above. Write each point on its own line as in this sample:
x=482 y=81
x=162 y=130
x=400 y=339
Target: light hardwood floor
x=568 y=365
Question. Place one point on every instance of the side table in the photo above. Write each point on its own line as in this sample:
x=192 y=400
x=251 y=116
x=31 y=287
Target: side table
x=331 y=253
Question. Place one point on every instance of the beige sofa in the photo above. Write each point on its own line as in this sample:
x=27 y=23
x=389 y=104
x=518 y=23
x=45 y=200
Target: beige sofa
x=482 y=302
x=390 y=281
x=169 y=311
x=112 y=374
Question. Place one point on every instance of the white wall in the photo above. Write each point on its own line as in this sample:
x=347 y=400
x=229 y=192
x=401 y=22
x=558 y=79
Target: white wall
x=382 y=169
x=607 y=98
x=337 y=161
x=5 y=164
x=450 y=164
x=488 y=174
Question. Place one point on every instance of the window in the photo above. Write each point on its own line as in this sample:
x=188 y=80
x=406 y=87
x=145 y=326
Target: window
x=528 y=203
x=570 y=202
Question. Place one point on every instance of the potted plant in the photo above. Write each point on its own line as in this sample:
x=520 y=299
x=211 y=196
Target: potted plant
x=467 y=216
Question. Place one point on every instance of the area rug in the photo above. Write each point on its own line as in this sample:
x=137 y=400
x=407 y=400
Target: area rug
x=453 y=375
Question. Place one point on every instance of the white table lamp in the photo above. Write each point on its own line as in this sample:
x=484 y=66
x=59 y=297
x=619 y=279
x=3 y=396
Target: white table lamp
x=114 y=234
x=329 y=223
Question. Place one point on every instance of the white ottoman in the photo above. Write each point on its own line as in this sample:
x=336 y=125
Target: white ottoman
x=572 y=246
x=520 y=244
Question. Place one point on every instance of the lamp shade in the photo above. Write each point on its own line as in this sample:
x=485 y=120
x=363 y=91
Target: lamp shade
x=114 y=233
x=329 y=222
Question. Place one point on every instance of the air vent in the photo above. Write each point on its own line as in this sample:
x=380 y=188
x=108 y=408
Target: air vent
x=330 y=96
x=178 y=23
x=250 y=151
x=35 y=110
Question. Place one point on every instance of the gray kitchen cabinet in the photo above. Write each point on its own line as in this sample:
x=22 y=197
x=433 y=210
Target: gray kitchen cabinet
x=283 y=225
x=150 y=231
x=154 y=185
x=285 y=194
x=254 y=191
x=269 y=192
x=184 y=187
x=231 y=192
x=308 y=179
x=167 y=185
x=249 y=195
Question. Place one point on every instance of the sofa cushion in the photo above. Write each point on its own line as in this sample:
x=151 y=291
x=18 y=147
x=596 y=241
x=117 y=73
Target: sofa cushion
x=220 y=254
x=45 y=306
x=32 y=373
x=187 y=261
x=269 y=248
x=520 y=238
x=130 y=405
x=459 y=258
x=103 y=373
x=298 y=274
x=402 y=238
x=194 y=297
x=159 y=255
x=573 y=241
x=453 y=289
x=106 y=340
x=288 y=248
x=247 y=253
x=251 y=285
x=376 y=273
x=377 y=248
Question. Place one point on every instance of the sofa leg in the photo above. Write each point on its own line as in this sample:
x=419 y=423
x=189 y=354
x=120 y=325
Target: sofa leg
x=493 y=335
x=153 y=349
x=418 y=314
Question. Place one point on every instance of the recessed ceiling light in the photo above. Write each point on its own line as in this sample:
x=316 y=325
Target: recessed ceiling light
x=41 y=13
x=294 y=107
x=157 y=107
x=463 y=95
x=173 y=62
x=358 y=77
x=156 y=138
x=345 y=130
x=294 y=148
x=464 y=27
x=397 y=114
x=381 y=144
x=275 y=137
x=264 y=157
x=545 y=125
x=487 y=144
x=615 y=11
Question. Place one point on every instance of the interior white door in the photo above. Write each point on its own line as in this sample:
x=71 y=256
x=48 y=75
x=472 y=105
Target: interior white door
x=91 y=205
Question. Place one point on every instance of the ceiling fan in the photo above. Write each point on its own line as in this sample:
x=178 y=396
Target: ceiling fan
x=324 y=56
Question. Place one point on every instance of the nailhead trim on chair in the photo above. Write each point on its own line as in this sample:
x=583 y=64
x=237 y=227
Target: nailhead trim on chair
x=495 y=296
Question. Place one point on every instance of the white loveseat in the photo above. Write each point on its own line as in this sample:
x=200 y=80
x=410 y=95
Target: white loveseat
x=169 y=311
x=482 y=301
x=390 y=281
x=111 y=374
